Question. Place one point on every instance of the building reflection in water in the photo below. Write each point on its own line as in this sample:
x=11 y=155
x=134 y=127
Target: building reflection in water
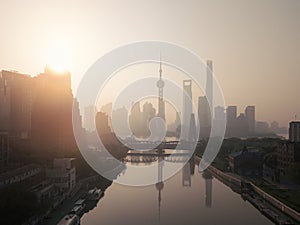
x=160 y=184
x=208 y=188
x=187 y=171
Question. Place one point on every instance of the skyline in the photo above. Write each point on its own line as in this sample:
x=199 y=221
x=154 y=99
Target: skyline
x=255 y=55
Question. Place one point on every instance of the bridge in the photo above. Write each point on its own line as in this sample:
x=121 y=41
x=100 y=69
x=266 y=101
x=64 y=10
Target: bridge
x=152 y=156
x=184 y=145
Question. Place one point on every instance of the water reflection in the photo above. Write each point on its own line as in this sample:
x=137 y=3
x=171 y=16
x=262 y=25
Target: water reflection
x=186 y=198
x=208 y=188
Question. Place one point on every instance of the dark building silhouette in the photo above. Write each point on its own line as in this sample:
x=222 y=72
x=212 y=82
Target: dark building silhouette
x=4 y=151
x=160 y=184
x=204 y=116
x=247 y=162
x=250 y=117
x=208 y=189
x=52 y=113
x=294 y=131
x=288 y=152
x=16 y=97
x=242 y=129
x=231 y=114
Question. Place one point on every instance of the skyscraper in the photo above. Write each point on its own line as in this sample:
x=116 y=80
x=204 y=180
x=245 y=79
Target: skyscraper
x=89 y=118
x=52 y=112
x=294 y=131
x=16 y=97
x=204 y=116
x=209 y=82
x=192 y=131
x=250 y=117
x=135 y=120
x=187 y=108
x=231 y=114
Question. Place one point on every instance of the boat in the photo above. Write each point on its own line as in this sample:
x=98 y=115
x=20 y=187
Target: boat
x=77 y=210
x=69 y=220
x=94 y=194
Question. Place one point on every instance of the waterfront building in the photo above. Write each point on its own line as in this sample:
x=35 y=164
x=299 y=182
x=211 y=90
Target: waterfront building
x=63 y=173
x=4 y=150
x=52 y=112
x=247 y=162
x=16 y=97
x=25 y=175
x=294 y=131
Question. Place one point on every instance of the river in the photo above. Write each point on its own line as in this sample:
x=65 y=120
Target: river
x=186 y=198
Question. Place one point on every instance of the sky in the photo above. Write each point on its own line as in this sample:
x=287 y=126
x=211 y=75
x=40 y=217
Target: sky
x=254 y=44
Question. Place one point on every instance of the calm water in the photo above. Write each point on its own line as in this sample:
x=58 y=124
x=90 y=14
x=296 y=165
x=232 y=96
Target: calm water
x=185 y=199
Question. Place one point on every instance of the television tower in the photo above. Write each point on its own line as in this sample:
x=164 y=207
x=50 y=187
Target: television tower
x=160 y=84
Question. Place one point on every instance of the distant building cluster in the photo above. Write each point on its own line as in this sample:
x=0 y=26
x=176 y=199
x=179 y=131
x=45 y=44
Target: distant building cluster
x=189 y=125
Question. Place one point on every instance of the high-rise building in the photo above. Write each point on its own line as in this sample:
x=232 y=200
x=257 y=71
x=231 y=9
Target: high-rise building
x=192 y=131
x=209 y=82
x=89 y=118
x=204 y=116
x=147 y=115
x=16 y=97
x=231 y=115
x=52 y=128
x=187 y=108
x=120 y=122
x=250 y=117
x=294 y=131
x=135 y=120
x=102 y=124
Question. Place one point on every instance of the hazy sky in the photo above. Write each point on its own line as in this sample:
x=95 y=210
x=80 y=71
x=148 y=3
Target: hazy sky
x=255 y=44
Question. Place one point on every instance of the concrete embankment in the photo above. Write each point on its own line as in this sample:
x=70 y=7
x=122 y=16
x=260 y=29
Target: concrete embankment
x=235 y=183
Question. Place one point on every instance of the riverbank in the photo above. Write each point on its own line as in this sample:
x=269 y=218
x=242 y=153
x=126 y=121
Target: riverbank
x=271 y=207
x=67 y=204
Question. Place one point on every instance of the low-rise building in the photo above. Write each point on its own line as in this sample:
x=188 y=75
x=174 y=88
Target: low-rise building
x=287 y=153
x=25 y=175
x=63 y=173
x=247 y=162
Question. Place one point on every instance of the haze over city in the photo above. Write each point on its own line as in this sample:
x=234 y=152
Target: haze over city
x=254 y=44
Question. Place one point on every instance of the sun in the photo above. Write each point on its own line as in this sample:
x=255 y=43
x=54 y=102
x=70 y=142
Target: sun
x=58 y=55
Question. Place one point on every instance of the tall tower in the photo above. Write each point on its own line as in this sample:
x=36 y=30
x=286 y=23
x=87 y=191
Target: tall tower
x=187 y=108
x=209 y=83
x=160 y=84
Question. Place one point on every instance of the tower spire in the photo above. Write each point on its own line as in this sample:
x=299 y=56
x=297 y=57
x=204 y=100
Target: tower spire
x=160 y=84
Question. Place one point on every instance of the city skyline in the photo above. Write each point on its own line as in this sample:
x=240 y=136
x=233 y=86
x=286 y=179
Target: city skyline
x=245 y=63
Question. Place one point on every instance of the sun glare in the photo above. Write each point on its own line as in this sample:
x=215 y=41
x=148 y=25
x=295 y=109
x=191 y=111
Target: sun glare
x=58 y=55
